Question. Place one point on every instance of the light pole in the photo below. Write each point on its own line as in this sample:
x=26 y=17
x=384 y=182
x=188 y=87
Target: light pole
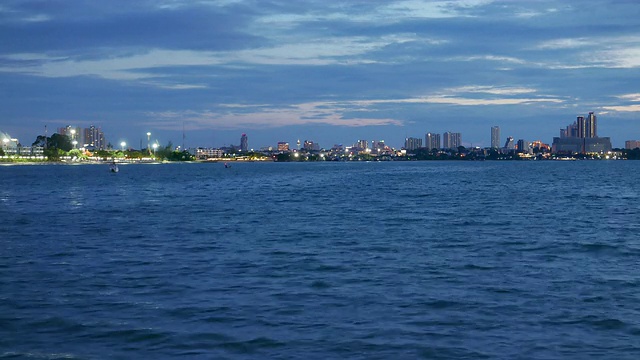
x=73 y=138
x=155 y=146
x=122 y=145
x=148 y=141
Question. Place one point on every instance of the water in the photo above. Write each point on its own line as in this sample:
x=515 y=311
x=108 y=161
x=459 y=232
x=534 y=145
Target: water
x=434 y=260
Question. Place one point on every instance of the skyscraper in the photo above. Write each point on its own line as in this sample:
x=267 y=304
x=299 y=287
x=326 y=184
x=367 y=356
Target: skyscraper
x=244 y=143
x=451 y=140
x=412 y=143
x=432 y=141
x=509 y=144
x=362 y=144
x=495 y=137
x=582 y=128
x=523 y=146
x=94 y=137
x=591 y=126
x=581 y=137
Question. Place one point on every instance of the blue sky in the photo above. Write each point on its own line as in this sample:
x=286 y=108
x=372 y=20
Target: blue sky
x=328 y=71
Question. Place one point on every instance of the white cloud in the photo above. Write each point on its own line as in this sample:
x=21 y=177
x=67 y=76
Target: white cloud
x=619 y=58
x=318 y=52
x=300 y=114
x=623 y=108
x=116 y=68
x=596 y=52
x=237 y=116
x=462 y=101
x=495 y=90
x=630 y=97
x=567 y=43
x=506 y=59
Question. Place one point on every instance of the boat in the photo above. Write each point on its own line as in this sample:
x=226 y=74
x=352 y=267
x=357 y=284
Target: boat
x=113 y=167
x=227 y=165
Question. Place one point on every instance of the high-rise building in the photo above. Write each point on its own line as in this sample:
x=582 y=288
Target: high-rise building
x=591 y=126
x=523 y=146
x=582 y=128
x=631 y=144
x=378 y=145
x=94 y=138
x=310 y=146
x=495 y=137
x=451 y=140
x=581 y=137
x=283 y=146
x=362 y=144
x=432 y=141
x=509 y=144
x=412 y=143
x=244 y=143
x=586 y=127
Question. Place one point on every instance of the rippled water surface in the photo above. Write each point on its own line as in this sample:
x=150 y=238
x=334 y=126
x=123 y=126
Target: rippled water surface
x=434 y=260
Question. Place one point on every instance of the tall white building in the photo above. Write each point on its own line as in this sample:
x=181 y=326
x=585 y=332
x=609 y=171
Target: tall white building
x=432 y=141
x=412 y=143
x=451 y=140
x=495 y=137
x=244 y=143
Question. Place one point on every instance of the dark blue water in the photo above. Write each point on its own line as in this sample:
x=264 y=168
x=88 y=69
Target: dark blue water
x=434 y=260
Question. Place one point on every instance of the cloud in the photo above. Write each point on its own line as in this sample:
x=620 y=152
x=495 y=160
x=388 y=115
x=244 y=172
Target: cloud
x=326 y=113
x=495 y=90
x=568 y=43
x=135 y=66
x=630 y=97
x=594 y=52
x=623 y=108
x=344 y=113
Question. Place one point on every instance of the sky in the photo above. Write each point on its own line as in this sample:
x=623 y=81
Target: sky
x=328 y=71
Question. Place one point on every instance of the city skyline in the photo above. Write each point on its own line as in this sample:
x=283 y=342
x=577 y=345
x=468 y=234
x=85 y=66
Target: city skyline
x=583 y=127
x=329 y=71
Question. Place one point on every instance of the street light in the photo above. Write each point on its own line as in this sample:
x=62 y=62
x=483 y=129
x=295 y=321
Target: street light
x=122 y=145
x=155 y=146
x=148 y=141
x=73 y=138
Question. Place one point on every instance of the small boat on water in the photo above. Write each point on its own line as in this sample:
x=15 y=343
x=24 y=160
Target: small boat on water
x=227 y=165
x=113 y=167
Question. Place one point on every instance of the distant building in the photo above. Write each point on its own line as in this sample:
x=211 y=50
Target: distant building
x=94 y=138
x=509 y=144
x=10 y=146
x=523 y=146
x=206 y=153
x=310 y=146
x=432 y=141
x=244 y=143
x=362 y=144
x=495 y=137
x=581 y=137
x=283 y=146
x=451 y=140
x=591 y=126
x=540 y=146
x=412 y=143
x=581 y=145
x=631 y=144
x=378 y=145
